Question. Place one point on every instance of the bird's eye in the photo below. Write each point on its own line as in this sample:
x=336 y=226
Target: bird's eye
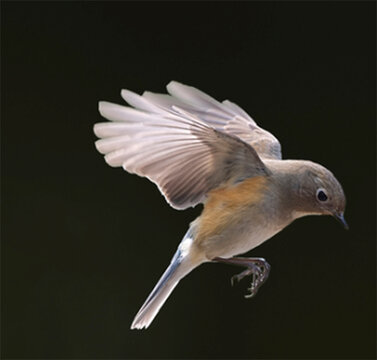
x=321 y=195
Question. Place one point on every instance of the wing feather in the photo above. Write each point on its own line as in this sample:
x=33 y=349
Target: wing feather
x=225 y=116
x=168 y=142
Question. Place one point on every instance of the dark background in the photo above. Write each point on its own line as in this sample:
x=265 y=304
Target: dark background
x=83 y=244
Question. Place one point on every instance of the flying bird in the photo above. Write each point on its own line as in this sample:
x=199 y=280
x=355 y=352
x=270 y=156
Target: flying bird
x=199 y=150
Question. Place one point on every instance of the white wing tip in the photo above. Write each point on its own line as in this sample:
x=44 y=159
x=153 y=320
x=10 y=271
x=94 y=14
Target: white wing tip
x=173 y=85
x=98 y=145
x=114 y=159
x=105 y=108
x=97 y=131
x=102 y=105
x=128 y=94
x=110 y=158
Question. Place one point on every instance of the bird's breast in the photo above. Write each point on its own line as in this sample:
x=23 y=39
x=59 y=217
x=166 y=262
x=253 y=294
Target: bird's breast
x=237 y=218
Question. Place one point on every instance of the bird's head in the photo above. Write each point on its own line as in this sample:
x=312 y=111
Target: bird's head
x=320 y=193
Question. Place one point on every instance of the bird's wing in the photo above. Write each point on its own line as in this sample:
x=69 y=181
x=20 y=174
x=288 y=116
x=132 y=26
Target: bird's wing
x=174 y=148
x=226 y=116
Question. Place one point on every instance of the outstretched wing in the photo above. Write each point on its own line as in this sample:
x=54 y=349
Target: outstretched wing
x=226 y=116
x=174 y=148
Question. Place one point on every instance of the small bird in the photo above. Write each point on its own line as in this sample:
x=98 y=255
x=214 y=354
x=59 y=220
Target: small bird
x=198 y=150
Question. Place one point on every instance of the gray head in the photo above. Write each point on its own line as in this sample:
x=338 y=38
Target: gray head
x=319 y=192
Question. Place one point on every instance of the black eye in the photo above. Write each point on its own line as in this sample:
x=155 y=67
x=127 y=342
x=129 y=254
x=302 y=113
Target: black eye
x=321 y=195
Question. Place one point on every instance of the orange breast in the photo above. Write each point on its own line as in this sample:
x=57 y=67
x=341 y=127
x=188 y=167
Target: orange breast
x=226 y=205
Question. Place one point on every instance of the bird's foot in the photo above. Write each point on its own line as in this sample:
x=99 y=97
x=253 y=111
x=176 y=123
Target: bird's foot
x=258 y=268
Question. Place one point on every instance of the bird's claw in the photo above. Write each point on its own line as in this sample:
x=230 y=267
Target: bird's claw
x=236 y=278
x=254 y=286
x=259 y=269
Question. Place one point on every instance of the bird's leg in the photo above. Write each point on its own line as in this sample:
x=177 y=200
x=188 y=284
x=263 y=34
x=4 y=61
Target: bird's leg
x=258 y=268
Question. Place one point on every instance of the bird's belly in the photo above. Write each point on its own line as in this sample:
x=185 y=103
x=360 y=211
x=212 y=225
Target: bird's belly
x=238 y=239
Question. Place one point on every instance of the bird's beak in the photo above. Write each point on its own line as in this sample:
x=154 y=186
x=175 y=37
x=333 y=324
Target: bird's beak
x=341 y=219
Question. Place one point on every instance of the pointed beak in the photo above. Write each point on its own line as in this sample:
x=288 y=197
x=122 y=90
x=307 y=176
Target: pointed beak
x=341 y=219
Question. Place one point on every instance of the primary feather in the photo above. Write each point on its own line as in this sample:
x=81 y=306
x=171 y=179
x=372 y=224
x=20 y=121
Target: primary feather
x=187 y=143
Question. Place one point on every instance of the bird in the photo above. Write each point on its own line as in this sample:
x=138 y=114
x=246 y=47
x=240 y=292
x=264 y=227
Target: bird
x=198 y=150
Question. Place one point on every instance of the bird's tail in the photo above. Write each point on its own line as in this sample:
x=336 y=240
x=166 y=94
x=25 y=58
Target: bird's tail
x=181 y=264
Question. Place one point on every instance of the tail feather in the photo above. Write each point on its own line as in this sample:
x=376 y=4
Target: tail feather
x=180 y=266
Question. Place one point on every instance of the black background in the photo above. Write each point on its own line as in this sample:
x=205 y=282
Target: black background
x=83 y=244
